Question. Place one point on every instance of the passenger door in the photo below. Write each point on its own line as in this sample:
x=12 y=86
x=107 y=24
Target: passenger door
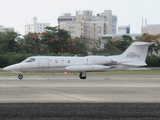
x=43 y=62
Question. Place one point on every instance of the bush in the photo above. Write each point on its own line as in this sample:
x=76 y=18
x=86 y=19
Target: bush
x=153 y=61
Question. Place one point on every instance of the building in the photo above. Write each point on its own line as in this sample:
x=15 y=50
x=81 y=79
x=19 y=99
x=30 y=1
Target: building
x=74 y=28
x=65 y=17
x=119 y=36
x=124 y=29
x=87 y=25
x=35 y=27
x=152 y=29
x=5 y=29
x=104 y=38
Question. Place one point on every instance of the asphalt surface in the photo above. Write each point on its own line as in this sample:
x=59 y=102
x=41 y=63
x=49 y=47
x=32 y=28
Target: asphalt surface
x=69 y=98
x=70 y=89
x=79 y=111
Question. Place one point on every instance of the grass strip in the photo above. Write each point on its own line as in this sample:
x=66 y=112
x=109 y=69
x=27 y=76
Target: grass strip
x=117 y=72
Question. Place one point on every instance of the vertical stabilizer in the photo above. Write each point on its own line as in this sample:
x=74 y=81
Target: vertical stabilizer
x=137 y=51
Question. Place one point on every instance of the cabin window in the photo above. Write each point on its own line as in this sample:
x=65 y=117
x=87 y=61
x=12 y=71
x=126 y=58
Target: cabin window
x=68 y=61
x=50 y=61
x=56 y=61
x=30 y=60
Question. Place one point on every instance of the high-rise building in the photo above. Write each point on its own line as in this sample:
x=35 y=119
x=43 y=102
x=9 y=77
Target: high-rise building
x=87 y=25
x=5 y=29
x=65 y=17
x=35 y=27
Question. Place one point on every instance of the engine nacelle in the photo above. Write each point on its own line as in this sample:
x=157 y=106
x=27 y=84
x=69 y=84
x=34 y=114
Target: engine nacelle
x=100 y=60
x=78 y=68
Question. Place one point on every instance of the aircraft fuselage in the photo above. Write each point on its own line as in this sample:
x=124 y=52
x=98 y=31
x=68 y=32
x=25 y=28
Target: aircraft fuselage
x=60 y=64
x=133 y=56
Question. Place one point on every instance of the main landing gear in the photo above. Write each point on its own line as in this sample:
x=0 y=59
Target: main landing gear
x=20 y=76
x=82 y=75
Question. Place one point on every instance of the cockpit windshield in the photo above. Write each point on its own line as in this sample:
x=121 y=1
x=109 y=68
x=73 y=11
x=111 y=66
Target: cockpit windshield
x=30 y=60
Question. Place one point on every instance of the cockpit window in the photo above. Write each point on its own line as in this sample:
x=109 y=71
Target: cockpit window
x=30 y=60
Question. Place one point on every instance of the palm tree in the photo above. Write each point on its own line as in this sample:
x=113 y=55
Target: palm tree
x=155 y=46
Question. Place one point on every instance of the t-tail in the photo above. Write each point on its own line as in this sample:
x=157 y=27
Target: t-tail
x=135 y=54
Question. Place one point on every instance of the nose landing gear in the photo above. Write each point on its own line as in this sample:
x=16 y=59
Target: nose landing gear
x=20 y=76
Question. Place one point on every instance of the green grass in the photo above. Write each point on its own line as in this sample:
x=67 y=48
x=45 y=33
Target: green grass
x=122 y=72
x=135 y=72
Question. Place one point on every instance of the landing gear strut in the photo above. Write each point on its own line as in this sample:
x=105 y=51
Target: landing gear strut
x=82 y=75
x=20 y=76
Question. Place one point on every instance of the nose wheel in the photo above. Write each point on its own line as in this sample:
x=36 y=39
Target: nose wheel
x=20 y=76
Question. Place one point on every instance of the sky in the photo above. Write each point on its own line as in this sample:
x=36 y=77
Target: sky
x=15 y=13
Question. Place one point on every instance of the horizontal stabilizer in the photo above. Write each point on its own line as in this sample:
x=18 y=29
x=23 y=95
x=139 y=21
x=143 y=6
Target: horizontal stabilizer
x=136 y=63
x=86 y=68
x=142 y=43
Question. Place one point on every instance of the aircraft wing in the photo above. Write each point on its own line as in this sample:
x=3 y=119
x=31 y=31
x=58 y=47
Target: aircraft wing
x=136 y=63
x=86 y=68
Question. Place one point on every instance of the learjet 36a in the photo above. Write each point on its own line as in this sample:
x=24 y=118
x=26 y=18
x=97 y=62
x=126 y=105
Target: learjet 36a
x=133 y=56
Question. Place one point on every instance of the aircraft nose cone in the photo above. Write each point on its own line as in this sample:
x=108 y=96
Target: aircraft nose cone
x=6 y=68
x=14 y=67
x=10 y=68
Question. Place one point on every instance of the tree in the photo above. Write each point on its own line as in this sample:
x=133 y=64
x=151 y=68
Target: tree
x=79 y=46
x=8 y=42
x=125 y=42
x=56 y=39
x=31 y=43
x=110 y=47
x=152 y=39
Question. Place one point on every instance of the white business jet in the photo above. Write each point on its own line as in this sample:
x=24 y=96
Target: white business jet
x=133 y=56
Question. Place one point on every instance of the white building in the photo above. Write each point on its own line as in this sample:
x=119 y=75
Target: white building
x=152 y=29
x=119 y=36
x=124 y=29
x=65 y=17
x=89 y=26
x=115 y=37
x=35 y=27
x=5 y=29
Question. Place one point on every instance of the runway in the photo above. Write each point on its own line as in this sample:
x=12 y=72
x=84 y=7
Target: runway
x=69 y=98
x=71 y=89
